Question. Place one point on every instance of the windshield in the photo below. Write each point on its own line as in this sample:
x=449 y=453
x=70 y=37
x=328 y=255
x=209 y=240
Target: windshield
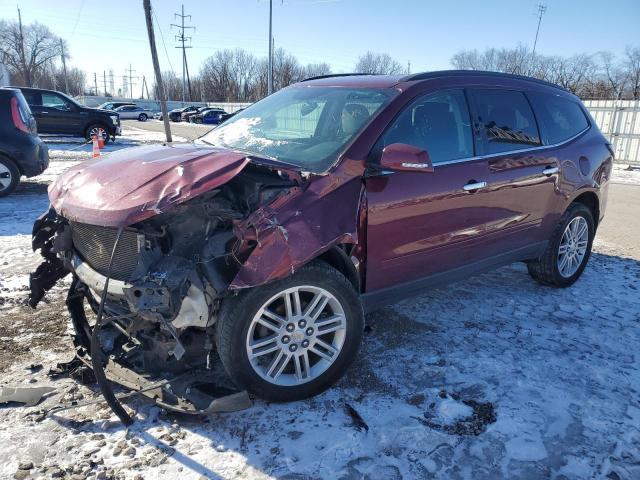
x=306 y=126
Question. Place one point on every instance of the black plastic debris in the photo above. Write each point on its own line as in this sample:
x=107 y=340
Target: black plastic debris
x=358 y=421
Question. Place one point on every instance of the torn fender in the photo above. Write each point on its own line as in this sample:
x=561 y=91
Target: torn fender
x=304 y=227
x=133 y=184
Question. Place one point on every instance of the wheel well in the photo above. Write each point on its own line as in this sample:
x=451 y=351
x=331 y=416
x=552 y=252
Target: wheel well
x=338 y=258
x=590 y=200
x=17 y=165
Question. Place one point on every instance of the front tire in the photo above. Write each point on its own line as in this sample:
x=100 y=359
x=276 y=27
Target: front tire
x=568 y=251
x=97 y=129
x=293 y=338
x=143 y=117
x=9 y=176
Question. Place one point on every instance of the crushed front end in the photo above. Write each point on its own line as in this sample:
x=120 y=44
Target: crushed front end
x=144 y=297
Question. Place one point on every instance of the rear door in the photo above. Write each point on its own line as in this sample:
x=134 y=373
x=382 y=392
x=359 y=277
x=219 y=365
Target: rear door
x=522 y=176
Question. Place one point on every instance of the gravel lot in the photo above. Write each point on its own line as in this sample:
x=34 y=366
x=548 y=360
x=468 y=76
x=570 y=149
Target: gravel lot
x=492 y=377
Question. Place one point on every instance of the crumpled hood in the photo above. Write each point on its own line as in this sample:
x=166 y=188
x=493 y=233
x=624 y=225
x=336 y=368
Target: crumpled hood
x=133 y=184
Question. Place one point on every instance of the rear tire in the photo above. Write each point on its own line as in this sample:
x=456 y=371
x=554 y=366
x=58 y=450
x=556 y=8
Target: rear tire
x=292 y=334
x=97 y=129
x=566 y=257
x=9 y=176
x=197 y=120
x=143 y=117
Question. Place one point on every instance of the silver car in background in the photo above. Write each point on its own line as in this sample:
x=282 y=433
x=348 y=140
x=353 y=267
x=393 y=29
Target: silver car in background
x=134 y=112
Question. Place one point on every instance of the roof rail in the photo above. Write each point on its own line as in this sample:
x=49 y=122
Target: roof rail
x=462 y=73
x=319 y=77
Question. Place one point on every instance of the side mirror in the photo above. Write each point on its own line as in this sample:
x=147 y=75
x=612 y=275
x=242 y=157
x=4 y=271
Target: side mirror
x=407 y=158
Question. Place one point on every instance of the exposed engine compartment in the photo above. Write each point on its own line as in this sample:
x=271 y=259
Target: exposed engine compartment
x=166 y=275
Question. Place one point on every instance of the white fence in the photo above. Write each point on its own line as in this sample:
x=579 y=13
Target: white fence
x=619 y=121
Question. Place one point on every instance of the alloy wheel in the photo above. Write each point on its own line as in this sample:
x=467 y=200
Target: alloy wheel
x=573 y=246
x=98 y=131
x=296 y=335
x=5 y=177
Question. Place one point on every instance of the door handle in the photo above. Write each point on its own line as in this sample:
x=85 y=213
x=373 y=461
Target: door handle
x=473 y=186
x=550 y=171
x=43 y=112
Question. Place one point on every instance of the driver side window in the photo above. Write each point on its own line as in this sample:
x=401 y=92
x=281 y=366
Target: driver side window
x=438 y=123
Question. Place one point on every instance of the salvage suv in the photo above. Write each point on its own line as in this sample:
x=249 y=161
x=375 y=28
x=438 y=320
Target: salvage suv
x=267 y=240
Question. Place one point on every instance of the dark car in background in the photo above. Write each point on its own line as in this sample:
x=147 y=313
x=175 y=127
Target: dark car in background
x=175 y=115
x=332 y=197
x=227 y=116
x=22 y=152
x=212 y=116
x=56 y=113
x=186 y=116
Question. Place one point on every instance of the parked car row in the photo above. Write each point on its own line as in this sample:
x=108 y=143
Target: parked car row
x=199 y=115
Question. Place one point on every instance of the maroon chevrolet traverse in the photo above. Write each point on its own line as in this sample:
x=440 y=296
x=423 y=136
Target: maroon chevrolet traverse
x=261 y=246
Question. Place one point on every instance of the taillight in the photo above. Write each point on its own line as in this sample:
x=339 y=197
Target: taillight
x=17 y=118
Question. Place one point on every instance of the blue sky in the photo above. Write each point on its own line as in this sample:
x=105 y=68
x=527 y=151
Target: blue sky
x=104 y=35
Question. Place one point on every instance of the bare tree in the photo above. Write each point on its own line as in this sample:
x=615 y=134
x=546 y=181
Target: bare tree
x=316 y=70
x=26 y=51
x=632 y=69
x=614 y=76
x=378 y=63
x=54 y=79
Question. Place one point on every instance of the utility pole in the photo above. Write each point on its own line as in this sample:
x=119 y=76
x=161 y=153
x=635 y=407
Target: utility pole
x=95 y=83
x=183 y=39
x=64 y=67
x=144 y=87
x=131 y=70
x=270 y=68
x=112 y=83
x=156 y=68
x=409 y=67
x=26 y=73
x=104 y=82
x=541 y=10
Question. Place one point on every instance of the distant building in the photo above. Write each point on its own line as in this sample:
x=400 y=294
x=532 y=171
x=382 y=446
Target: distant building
x=5 y=78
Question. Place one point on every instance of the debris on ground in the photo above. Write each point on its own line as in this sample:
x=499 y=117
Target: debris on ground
x=30 y=396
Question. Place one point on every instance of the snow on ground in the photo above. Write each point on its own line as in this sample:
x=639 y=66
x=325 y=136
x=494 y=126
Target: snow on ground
x=493 y=377
x=628 y=175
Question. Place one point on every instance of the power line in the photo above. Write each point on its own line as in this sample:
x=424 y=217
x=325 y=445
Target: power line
x=541 y=10
x=162 y=37
x=181 y=38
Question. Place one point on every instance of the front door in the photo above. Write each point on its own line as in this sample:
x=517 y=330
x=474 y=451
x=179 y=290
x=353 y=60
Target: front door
x=57 y=115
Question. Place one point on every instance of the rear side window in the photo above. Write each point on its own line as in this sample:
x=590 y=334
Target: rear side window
x=560 y=118
x=438 y=123
x=32 y=98
x=505 y=121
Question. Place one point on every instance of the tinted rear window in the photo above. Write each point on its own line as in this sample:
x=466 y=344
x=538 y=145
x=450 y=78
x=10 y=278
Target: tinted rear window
x=560 y=118
x=506 y=120
x=32 y=97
